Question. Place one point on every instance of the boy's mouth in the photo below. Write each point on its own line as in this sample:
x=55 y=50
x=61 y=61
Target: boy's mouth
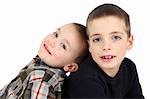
x=107 y=57
x=46 y=48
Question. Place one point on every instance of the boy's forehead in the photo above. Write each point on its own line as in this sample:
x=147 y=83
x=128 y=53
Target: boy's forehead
x=67 y=26
x=106 y=24
x=67 y=29
x=107 y=20
x=69 y=33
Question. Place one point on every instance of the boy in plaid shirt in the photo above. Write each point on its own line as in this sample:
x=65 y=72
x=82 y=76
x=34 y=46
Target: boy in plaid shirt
x=43 y=76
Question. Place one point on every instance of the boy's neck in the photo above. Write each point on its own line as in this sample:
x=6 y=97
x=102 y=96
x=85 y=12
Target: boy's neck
x=112 y=72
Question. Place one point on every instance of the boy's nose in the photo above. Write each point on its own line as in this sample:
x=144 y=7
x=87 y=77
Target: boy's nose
x=106 y=46
x=105 y=49
x=52 y=43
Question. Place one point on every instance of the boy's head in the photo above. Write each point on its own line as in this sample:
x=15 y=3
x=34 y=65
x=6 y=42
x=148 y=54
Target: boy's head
x=65 y=47
x=107 y=10
x=108 y=30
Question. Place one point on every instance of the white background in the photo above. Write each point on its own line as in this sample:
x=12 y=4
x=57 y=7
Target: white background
x=24 y=23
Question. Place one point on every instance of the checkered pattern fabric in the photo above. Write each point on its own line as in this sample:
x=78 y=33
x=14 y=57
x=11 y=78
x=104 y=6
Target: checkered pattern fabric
x=35 y=81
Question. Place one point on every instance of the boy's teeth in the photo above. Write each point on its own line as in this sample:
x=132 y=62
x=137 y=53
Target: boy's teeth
x=108 y=57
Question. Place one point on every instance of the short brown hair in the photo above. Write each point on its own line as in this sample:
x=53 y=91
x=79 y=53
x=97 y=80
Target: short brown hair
x=82 y=34
x=110 y=10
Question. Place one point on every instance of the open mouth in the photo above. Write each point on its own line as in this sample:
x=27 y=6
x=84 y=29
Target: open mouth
x=107 y=57
x=46 y=48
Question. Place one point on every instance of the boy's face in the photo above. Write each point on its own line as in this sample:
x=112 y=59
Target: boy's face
x=108 y=41
x=61 y=47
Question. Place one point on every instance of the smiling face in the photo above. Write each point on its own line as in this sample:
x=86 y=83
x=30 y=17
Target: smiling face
x=61 y=47
x=108 y=42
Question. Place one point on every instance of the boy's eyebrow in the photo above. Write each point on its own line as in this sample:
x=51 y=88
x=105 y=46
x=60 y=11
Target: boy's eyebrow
x=116 y=32
x=97 y=34
x=58 y=29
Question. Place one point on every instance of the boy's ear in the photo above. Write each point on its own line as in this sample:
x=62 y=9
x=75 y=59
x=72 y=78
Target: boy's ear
x=130 y=42
x=71 y=67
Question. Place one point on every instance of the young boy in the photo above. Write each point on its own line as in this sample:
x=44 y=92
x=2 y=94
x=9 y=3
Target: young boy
x=106 y=73
x=43 y=76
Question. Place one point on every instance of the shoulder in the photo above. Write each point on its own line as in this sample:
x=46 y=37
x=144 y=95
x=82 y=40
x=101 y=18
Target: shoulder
x=129 y=64
x=129 y=67
x=128 y=61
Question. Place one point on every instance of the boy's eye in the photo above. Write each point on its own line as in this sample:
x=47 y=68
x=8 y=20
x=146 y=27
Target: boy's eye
x=114 y=38
x=55 y=34
x=95 y=40
x=63 y=46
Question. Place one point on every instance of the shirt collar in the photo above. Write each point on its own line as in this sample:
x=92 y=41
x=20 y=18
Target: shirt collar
x=39 y=62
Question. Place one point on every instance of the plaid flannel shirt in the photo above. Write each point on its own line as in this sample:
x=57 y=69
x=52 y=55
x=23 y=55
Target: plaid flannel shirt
x=35 y=81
